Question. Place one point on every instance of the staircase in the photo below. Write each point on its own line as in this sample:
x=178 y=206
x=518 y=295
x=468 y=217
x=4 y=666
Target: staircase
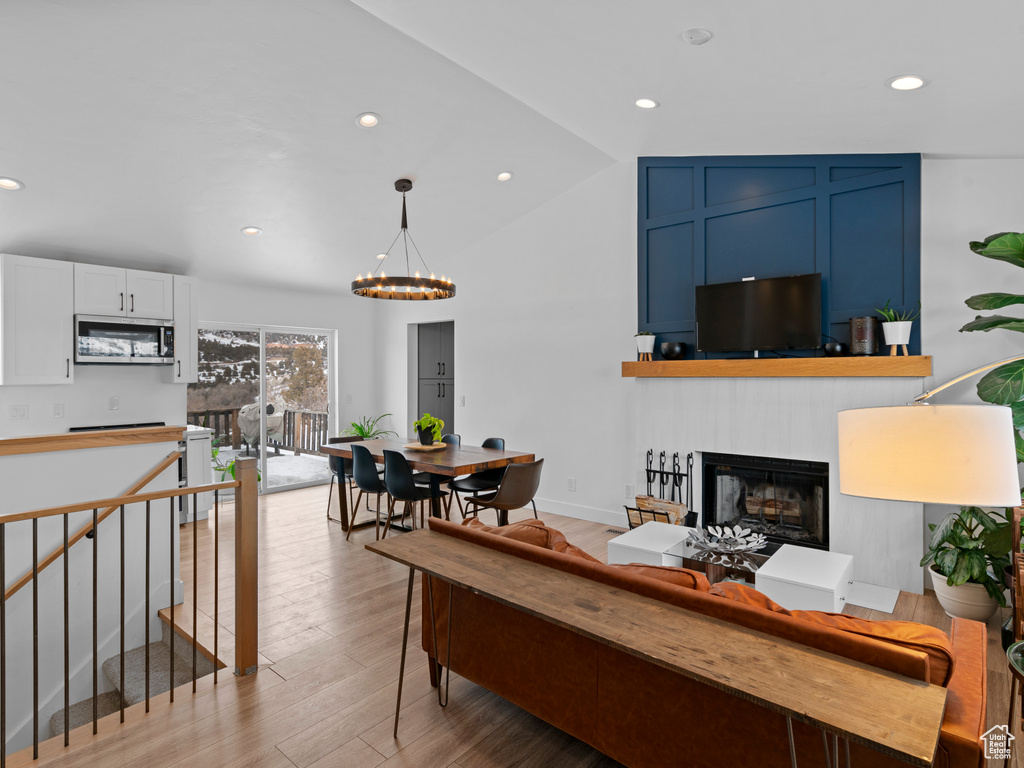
x=135 y=678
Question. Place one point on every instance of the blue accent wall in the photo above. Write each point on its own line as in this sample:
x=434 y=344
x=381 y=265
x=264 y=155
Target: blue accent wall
x=856 y=219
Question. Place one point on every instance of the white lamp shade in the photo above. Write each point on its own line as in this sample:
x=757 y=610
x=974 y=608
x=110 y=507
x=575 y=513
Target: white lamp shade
x=943 y=454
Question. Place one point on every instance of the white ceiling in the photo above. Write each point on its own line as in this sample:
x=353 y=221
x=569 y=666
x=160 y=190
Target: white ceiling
x=149 y=133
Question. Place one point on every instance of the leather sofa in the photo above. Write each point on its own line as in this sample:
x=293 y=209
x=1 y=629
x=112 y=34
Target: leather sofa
x=644 y=715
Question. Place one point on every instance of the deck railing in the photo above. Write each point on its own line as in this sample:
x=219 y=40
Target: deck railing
x=245 y=579
x=304 y=431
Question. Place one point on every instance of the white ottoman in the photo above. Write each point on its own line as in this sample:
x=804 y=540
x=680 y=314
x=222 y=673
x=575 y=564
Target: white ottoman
x=805 y=579
x=652 y=544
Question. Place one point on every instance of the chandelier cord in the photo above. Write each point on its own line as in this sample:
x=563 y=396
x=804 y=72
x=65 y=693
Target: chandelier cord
x=387 y=253
x=422 y=260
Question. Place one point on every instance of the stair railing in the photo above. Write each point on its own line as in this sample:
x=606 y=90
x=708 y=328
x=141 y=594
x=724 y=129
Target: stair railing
x=171 y=458
x=246 y=597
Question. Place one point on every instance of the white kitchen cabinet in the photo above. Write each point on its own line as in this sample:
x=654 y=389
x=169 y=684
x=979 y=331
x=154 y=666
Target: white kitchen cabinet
x=150 y=294
x=100 y=290
x=186 y=330
x=118 y=292
x=36 y=321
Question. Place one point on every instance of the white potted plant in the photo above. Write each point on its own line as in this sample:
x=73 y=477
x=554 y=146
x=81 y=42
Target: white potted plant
x=897 y=326
x=968 y=552
x=645 y=344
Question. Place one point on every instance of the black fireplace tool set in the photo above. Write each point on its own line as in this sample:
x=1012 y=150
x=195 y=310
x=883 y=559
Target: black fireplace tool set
x=661 y=509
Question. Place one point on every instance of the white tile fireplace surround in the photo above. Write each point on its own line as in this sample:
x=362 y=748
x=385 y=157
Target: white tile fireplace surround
x=792 y=418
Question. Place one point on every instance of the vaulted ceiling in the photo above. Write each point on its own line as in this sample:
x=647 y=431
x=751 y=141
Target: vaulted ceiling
x=150 y=133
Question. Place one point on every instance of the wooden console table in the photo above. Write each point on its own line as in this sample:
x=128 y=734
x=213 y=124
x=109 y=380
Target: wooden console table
x=896 y=715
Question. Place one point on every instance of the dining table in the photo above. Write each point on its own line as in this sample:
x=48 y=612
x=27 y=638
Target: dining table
x=442 y=464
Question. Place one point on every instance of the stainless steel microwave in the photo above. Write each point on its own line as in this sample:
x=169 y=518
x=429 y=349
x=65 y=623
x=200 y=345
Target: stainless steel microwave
x=123 y=340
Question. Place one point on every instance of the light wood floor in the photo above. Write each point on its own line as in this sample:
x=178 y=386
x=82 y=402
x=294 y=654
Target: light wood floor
x=330 y=633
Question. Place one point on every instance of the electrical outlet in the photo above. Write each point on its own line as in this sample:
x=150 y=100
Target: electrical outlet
x=462 y=401
x=114 y=402
x=58 y=410
x=18 y=412
x=572 y=483
x=630 y=494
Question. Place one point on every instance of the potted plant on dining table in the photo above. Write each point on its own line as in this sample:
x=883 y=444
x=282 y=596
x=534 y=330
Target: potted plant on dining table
x=428 y=428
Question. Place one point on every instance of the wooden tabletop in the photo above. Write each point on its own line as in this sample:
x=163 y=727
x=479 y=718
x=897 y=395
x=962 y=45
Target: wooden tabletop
x=450 y=461
x=895 y=715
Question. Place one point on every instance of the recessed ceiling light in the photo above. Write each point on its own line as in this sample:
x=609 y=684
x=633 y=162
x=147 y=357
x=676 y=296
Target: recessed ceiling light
x=647 y=103
x=368 y=120
x=906 y=82
x=505 y=175
x=10 y=184
x=252 y=231
x=697 y=36
x=382 y=255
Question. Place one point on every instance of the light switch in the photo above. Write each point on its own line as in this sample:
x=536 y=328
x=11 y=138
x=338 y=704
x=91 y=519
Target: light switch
x=114 y=402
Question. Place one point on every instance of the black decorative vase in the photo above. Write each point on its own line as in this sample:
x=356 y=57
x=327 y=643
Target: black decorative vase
x=426 y=436
x=863 y=335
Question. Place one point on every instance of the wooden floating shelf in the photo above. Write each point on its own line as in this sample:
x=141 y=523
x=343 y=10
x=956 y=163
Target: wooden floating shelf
x=776 y=367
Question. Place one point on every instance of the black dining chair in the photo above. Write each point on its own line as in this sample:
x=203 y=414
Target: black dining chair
x=367 y=479
x=341 y=469
x=401 y=487
x=423 y=478
x=518 y=487
x=478 y=482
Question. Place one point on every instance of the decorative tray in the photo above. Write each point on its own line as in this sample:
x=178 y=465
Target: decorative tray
x=438 y=446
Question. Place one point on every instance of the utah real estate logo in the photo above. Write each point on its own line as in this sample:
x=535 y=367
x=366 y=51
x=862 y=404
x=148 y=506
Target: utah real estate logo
x=997 y=742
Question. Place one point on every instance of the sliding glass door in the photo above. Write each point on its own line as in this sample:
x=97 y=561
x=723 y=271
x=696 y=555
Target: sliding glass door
x=267 y=392
x=296 y=419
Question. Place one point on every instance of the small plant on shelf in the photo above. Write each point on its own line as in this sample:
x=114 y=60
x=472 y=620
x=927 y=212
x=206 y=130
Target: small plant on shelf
x=644 y=344
x=893 y=315
x=429 y=429
x=369 y=429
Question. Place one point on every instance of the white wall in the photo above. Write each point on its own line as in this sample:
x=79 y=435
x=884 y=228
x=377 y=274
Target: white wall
x=145 y=393
x=544 y=315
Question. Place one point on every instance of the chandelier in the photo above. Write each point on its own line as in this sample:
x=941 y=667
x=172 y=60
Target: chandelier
x=410 y=287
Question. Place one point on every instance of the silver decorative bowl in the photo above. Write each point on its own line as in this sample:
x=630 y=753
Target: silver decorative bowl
x=726 y=540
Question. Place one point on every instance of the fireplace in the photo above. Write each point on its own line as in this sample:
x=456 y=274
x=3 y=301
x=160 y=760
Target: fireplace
x=784 y=499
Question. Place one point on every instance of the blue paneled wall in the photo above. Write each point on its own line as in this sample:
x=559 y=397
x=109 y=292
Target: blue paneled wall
x=853 y=218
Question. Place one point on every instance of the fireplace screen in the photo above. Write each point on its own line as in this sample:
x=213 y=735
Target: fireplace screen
x=783 y=499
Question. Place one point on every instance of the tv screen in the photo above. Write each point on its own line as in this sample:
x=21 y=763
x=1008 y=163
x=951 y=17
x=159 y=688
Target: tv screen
x=772 y=314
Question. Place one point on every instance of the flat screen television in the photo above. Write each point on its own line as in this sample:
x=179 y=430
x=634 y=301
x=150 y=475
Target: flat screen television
x=777 y=313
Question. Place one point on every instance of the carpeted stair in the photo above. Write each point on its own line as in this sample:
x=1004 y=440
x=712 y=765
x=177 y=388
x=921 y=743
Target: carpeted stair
x=135 y=678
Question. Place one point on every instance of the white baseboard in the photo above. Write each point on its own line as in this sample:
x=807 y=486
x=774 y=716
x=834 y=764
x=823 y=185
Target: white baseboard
x=580 y=512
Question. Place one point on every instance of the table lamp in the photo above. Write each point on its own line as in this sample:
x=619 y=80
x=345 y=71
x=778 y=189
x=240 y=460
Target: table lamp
x=940 y=454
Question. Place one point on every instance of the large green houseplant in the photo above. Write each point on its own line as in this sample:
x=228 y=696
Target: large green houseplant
x=965 y=546
x=368 y=429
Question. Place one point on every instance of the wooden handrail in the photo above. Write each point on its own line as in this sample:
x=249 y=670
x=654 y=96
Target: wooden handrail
x=142 y=482
x=100 y=438
x=117 y=502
